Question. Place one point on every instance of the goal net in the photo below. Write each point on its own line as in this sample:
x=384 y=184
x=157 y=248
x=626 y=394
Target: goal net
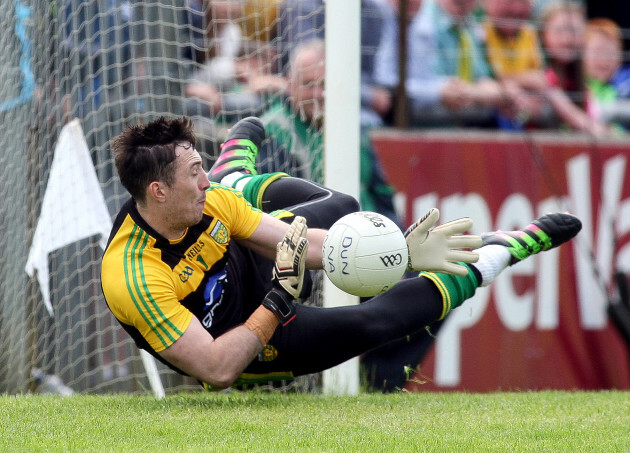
x=108 y=64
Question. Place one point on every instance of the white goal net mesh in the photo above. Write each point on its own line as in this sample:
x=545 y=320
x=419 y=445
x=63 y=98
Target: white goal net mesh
x=107 y=63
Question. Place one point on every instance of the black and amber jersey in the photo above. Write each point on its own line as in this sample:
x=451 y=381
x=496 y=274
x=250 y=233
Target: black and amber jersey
x=155 y=286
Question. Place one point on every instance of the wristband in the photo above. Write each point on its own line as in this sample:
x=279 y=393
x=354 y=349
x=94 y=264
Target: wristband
x=280 y=303
x=263 y=323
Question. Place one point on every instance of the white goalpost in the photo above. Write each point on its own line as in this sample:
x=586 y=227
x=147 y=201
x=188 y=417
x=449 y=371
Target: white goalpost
x=341 y=144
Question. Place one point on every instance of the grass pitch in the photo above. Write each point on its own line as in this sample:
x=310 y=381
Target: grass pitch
x=547 y=421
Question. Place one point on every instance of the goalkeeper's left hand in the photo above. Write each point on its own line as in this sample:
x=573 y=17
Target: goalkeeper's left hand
x=436 y=250
x=288 y=271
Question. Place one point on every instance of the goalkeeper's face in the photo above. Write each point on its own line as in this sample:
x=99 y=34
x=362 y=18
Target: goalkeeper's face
x=185 y=199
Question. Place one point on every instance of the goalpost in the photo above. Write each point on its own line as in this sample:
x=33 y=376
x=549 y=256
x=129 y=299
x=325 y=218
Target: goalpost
x=342 y=146
x=110 y=63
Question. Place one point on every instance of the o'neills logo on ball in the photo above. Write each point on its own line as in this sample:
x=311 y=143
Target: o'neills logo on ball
x=376 y=219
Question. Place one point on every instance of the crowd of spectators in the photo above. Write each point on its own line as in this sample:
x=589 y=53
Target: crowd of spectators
x=508 y=64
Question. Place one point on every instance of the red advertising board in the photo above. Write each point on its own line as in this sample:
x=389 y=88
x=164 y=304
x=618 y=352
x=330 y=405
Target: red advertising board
x=543 y=324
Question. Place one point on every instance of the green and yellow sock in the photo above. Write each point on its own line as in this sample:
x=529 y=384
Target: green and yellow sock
x=256 y=185
x=253 y=186
x=454 y=289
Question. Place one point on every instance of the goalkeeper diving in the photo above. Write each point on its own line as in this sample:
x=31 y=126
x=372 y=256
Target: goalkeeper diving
x=207 y=271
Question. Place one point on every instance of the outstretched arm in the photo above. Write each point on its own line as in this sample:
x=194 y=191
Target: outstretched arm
x=271 y=231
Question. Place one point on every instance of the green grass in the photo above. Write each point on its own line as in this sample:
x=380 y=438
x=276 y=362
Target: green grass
x=276 y=422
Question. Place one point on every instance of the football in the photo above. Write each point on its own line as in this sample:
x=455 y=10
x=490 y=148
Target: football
x=364 y=254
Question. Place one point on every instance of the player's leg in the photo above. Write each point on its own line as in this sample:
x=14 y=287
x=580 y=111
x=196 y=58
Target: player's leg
x=323 y=337
x=274 y=192
x=321 y=206
x=236 y=165
x=320 y=338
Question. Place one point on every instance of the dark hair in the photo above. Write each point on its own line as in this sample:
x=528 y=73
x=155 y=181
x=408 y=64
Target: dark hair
x=145 y=153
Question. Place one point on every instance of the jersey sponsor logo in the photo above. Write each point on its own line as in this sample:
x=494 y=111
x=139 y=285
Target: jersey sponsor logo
x=213 y=295
x=219 y=233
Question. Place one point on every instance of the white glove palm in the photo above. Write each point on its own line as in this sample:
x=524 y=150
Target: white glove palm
x=288 y=271
x=436 y=250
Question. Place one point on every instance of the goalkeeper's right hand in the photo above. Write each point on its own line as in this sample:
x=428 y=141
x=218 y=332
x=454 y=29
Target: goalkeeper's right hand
x=437 y=250
x=288 y=272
